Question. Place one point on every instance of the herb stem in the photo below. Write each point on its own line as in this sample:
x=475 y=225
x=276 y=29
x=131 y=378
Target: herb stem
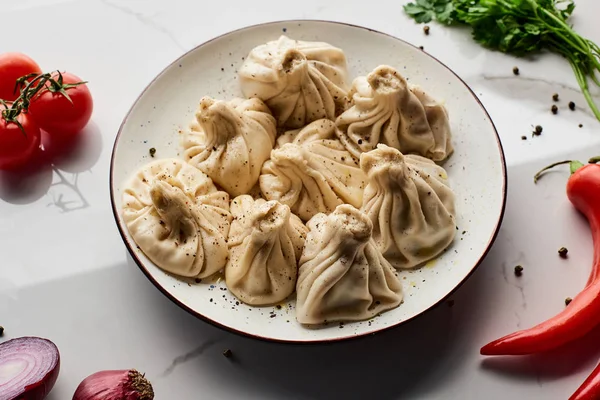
x=585 y=88
x=583 y=43
x=594 y=78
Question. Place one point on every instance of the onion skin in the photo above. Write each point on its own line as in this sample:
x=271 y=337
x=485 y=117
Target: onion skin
x=40 y=389
x=115 y=385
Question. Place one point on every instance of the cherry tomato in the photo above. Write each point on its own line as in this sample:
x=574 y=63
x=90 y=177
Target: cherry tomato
x=12 y=67
x=17 y=147
x=58 y=116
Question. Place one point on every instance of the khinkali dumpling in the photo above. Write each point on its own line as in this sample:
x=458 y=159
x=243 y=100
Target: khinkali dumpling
x=230 y=141
x=178 y=218
x=410 y=204
x=265 y=243
x=384 y=109
x=343 y=276
x=300 y=81
x=312 y=172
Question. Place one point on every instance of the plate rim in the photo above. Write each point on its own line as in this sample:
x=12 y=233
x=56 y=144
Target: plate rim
x=130 y=247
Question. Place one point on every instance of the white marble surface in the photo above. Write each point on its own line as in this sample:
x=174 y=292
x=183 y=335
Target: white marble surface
x=65 y=274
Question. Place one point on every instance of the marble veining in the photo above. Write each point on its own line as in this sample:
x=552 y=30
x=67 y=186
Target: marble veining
x=547 y=82
x=146 y=20
x=190 y=355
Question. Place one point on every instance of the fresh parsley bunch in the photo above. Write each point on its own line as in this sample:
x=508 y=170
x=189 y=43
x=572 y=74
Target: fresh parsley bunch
x=520 y=27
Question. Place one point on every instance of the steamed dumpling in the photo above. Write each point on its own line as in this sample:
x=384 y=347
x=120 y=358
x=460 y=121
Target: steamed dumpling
x=410 y=204
x=343 y=276
x=230 y=141
x=178 y=218
x=265 y=243
x=386 y=110
x=312 y=172
x=437 y=117
x=300 y=81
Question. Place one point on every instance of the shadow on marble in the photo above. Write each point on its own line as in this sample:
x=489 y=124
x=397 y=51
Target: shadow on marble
x=26 y=185
x=80 y=154
x=53 y=396
x=391 y=365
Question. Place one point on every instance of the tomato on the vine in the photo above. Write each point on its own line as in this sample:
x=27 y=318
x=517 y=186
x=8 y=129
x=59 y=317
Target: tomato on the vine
x=18 y=144
x=12 y=67
x=53 y=111
x=57 y=103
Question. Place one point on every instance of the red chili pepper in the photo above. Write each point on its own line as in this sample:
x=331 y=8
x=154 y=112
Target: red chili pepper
x=590 y=388
x=583 y=313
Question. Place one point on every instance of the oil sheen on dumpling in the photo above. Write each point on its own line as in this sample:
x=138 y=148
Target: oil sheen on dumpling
x=230 y=141
x=384 y=109
x=410 y=204
x=300 y=81
x=343 y=276
x=265 y=243
x=178 y=218
x=312 y=172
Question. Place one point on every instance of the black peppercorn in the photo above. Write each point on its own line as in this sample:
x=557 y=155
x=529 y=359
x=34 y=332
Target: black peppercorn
x=516 y=70
x=571 y=106
x=568 y=301
x=563 y=252
x=554 y=109
x=518 y=270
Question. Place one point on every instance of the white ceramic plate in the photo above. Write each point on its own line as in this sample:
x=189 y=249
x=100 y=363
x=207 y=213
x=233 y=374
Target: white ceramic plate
x=476 y=170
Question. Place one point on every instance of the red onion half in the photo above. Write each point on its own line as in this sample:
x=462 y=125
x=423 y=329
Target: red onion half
x=29 y=368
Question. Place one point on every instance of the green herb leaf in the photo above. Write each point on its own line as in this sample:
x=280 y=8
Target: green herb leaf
x=423 y=11
x=445 y=15
x=520 y=27
x=418 y=13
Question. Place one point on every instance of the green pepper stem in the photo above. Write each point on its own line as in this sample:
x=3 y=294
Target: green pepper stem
x=543 y=170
